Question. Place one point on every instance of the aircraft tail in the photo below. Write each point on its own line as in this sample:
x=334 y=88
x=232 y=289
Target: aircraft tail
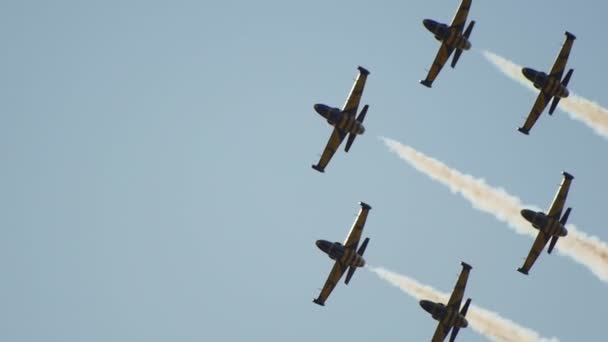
x=464 y=313
x=352 y=269
x=566 y=79
x=564 y=218
x=556 y=99
x=469 y=29
x=466 y=34
x=465 y=308
x=554 y=238
x=457 y=54
x=352 y=136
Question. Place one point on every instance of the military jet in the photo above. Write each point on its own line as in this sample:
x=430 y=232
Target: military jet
x=343 y=120
x=551 y=86
x=451 y=38
x=449 y=316
x=346 y=255
x=549 y=225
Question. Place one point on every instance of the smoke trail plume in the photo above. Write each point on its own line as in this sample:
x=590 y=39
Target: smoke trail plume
x=487 y=323
x=579 y=108
x=582 y=248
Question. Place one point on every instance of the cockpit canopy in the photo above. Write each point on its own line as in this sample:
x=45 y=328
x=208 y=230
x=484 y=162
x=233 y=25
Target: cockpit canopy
x=540 y=79
x=442 y=31
x=334 y=115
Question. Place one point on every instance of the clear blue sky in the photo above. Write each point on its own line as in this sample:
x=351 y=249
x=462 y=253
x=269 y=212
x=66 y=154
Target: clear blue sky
x=156 y=181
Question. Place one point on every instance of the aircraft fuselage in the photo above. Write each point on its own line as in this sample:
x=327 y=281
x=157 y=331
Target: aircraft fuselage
x=339 y=119
x=346 y=256
x=441 y=312
x=548 y=84
x=548 y=225
x=450 y=36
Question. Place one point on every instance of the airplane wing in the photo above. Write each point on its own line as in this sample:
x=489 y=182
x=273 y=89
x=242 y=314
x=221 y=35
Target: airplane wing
x=442 y=56
x=441 y=331
x=562 y=58
x=461 y=284
x=460 y=18
x=354 y=97
x=353 y=237
x=537 y=248
x=332 y=145
x=539 y=106
x=334 y=277
x=557 y=205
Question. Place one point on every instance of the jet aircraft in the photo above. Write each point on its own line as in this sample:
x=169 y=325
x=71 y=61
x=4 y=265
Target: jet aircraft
x=451 y=38
x=550 y=225
x=551 y=85
x=343 y=120
x=448 y=315
x=346 y=255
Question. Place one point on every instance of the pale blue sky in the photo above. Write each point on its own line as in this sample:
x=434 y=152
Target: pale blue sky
x=156 y=183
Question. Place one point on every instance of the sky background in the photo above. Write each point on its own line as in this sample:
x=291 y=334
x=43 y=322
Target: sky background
x=156 y=181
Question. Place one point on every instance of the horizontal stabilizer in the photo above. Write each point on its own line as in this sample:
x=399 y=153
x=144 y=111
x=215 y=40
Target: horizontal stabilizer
x=567 y=78
x=349 y=141
x=352 y=136
x=564 y=219
x=349 y=275
x=522 y=271
x=458 y=52
x=523 y=130
x=463 y=312
x=352 y=269
x=554 y=239
x=554 y=104
x=469 y=29
x=556 y=99
x=454 y=333
x=361 y=115
x=363 y=247
x=465 y=308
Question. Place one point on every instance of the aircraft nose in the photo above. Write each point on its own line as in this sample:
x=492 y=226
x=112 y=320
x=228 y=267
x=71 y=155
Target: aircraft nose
x=321 y=109
x=426 y=305
x=529 y=73
x=528 y=214
x=323 y=245
x=429 y=24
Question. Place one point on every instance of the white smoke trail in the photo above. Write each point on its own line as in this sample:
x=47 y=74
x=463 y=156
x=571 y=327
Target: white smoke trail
x=582 y=248
x=578 y=108
x=487 y=323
